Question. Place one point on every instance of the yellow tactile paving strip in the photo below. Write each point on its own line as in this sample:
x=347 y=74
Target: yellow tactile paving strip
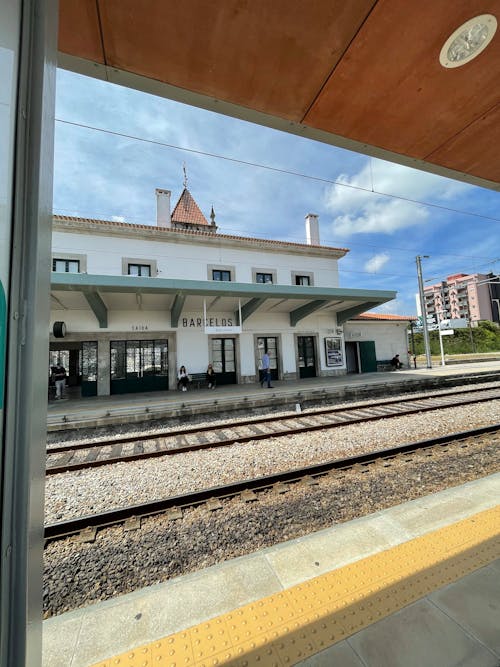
x=289 y=626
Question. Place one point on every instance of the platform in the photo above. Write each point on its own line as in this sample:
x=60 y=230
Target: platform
x=243 y=399
x=415 y=585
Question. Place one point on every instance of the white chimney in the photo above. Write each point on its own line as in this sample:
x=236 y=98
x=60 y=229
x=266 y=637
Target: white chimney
x=163 y=218
x=312 y=229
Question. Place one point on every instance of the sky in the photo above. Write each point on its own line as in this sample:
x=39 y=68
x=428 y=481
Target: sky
x=114 y=146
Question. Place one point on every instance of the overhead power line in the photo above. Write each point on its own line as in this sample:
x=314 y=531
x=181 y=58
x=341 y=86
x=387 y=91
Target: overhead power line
x=279 y=170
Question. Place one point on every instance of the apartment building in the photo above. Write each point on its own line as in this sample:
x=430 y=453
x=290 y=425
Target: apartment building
x=469 y=296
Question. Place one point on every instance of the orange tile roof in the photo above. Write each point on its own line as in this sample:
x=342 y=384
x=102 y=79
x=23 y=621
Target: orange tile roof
x=382 y=316
x=187 y=210
x=194 y=232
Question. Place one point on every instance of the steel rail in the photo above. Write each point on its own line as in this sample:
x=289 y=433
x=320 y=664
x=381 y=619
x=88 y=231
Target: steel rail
x=253 y=420
x=69 y=527
x=294 y=429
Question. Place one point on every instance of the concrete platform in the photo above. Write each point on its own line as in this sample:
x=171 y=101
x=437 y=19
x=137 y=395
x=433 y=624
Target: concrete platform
x=243 y=399
x=393 y=553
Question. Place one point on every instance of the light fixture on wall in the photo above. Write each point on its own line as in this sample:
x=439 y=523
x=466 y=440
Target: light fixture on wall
x=59 y=329
x=468 y=41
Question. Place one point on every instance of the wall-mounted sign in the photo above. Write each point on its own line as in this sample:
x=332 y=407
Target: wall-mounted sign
x=333 y=352
x=222 y=330
x=226 y=325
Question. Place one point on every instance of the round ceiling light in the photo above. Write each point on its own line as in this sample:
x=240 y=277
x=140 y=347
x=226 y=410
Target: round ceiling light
x=468 y=41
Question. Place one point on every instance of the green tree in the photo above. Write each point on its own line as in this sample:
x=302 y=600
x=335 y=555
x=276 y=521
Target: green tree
x=486 y=337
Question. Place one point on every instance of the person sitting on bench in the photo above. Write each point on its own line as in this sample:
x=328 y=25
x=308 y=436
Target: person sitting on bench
x=211 y=377
x=183 y=378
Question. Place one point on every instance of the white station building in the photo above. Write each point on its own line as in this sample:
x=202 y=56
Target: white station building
x=131 y=303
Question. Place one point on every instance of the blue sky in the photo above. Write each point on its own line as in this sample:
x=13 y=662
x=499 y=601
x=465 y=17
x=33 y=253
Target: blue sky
x=101 y=175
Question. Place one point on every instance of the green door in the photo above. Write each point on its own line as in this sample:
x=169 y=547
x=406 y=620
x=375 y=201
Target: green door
x=88 y=372
x=138 y=365
x=307 y=356
x=224 y=360
x=269 y=344
x=367 y=356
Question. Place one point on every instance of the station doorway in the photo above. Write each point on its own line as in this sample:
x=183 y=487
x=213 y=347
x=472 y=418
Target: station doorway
x=138 y=365
x=80 y=361
x=224 y=359
x=361 y=357
x=269 y=344
x=306 y=350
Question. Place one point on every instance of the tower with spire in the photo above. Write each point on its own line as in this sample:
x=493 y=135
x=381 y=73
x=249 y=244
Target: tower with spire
x=187 y=214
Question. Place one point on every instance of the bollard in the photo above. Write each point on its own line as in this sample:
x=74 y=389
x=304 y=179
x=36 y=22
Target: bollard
x=297 y=407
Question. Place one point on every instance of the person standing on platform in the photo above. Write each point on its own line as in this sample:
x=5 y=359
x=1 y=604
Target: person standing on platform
x=266 y=371
x=183 y=378
x=211 y=377
x=59 y=376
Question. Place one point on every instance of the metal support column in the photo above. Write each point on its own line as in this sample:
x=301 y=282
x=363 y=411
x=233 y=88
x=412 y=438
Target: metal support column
x=28 y=39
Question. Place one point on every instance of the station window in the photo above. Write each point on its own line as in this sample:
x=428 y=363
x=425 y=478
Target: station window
x=143 y=270
x=66 y=265
x=263 y=277
x=219 y=274
x=302 y=280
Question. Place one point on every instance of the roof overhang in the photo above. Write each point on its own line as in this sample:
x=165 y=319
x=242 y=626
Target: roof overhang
x=105 y=292
x=361 y=75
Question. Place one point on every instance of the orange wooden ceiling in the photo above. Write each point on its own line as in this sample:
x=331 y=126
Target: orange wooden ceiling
x=366 y=71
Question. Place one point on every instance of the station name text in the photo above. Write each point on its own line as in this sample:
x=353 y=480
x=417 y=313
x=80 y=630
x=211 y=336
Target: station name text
x=209 y=322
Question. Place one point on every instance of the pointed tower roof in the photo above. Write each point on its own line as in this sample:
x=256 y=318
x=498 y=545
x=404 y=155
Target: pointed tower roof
x=187 y=211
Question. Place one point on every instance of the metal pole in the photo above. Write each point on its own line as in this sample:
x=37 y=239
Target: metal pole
x=443 y=363
x=422 y=308
x=472 y=344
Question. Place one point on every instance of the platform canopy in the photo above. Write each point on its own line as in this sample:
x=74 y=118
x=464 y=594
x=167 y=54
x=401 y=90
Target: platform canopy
x=102 y=293
x=361 y=74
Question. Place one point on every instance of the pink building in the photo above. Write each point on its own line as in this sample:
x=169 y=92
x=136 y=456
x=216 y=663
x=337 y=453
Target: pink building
x=461 y=296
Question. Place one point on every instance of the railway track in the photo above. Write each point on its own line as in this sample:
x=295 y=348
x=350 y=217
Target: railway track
x=248 y=490
x=83 y=455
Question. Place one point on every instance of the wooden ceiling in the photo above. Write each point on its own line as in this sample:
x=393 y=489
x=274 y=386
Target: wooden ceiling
x=361 y=74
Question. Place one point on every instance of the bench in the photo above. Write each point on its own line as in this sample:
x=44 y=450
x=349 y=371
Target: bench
x=198 y=380
x=384 y=365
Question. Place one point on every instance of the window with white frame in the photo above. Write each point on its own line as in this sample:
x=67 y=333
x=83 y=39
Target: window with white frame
x=142 y=270
x=261 y=277
x=139 y=266
x=221 y=274
x=65 y=265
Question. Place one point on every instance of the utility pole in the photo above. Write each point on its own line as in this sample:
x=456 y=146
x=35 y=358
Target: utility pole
x=422 y=308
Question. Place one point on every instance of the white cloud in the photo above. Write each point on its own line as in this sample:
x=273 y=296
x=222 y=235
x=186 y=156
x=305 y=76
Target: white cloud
x=118 y=218
x=375 y=263
x=357 y=209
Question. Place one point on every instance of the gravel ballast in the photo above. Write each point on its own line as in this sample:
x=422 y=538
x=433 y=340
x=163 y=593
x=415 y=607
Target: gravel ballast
x=98 y=489
x=77 y=574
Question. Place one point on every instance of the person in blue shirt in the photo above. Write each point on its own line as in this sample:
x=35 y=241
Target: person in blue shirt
x=266 y=371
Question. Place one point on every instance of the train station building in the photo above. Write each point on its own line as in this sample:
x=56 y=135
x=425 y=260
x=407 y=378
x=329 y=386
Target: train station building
x=131 y=303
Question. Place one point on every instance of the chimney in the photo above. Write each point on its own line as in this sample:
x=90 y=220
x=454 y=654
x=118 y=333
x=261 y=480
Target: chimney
x=163 y=218
x=312 y=229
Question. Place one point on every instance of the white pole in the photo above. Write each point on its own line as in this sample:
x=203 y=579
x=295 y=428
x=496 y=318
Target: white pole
x=423 y=310
x=441 y=347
